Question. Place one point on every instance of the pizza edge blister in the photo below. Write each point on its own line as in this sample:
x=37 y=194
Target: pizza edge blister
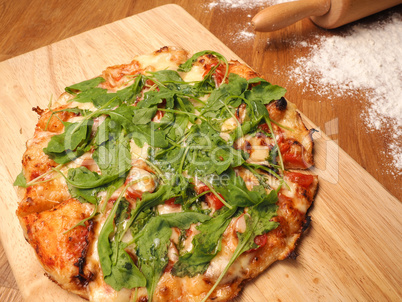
x=168 y=178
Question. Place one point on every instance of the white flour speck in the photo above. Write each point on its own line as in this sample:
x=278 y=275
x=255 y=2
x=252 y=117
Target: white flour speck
x=243 y=35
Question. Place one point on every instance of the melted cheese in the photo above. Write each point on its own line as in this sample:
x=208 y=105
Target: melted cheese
x=138 y=152
x=229 y=125
x=83 y=106
x=160 y=61
x=168 y=209
x=195 y=74
x=141 y=180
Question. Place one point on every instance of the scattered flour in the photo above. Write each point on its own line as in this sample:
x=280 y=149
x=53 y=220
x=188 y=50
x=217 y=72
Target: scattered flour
x=367 y=59
x=243 y=4
x=247 y=33
x=243 y=35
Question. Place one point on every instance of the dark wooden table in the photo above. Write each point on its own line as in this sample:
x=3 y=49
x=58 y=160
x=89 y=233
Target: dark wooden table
x=27 y=25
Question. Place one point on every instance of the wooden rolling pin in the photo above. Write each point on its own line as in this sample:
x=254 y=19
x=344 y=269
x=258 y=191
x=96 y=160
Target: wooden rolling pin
x=325 y=13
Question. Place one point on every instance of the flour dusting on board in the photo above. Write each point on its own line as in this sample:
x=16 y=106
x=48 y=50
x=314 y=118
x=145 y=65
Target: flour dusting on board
x=367 y=59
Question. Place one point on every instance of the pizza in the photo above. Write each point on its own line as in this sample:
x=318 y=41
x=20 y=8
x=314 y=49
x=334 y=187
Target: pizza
x=170 y=178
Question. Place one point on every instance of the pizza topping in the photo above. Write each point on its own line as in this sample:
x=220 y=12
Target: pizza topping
x=305 y=180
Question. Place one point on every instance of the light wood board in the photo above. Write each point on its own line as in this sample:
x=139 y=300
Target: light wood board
x=352 y=252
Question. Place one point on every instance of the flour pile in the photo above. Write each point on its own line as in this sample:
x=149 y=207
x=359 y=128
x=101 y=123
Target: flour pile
x=368 y=59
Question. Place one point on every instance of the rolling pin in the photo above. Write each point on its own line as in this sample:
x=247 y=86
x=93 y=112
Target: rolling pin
x=324 y=13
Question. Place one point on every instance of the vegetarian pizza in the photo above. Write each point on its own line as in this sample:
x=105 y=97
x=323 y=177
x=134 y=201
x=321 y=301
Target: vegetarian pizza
x=170 y=178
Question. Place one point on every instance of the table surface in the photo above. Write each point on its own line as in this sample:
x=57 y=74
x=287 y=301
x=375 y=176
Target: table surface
x=28 y=25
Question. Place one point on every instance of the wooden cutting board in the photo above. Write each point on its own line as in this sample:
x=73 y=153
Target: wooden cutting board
x=352 y=251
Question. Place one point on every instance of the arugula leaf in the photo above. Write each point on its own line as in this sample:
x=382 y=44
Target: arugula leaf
x=150 y=134
x=122 y=272
x=153 y=241
x=141 y=220
x=104 y=132
x=258 y=222
x=206 y=245
x=209 y=153
x=164 y=76
x=153 y=98
x=178 y=127
x=85 y=85
x=20 y=181
x=150 y=200
x=113 y=157
x=89 y=96
x=264 y=92
x=228 y=92
x=125 y=274
x=84 y=195
x=129 y=94
x=70 y=144
x=186 y=67
x=82 y=178
x=152 y=248
x=234 y=190
x=183 y=220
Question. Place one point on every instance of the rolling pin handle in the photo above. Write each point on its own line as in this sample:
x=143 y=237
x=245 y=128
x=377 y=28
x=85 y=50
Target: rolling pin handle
x=282 y=15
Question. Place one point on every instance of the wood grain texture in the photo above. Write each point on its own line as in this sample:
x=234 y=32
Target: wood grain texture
x=340 y=258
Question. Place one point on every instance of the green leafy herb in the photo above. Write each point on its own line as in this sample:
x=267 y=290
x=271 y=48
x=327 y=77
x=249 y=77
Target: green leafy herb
x=70 y=144
x=206 y=245
x=123 y=272
x=85 y=85
x=153 y=241
x=258 y=222
x=186 y=67
x=20 y=181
